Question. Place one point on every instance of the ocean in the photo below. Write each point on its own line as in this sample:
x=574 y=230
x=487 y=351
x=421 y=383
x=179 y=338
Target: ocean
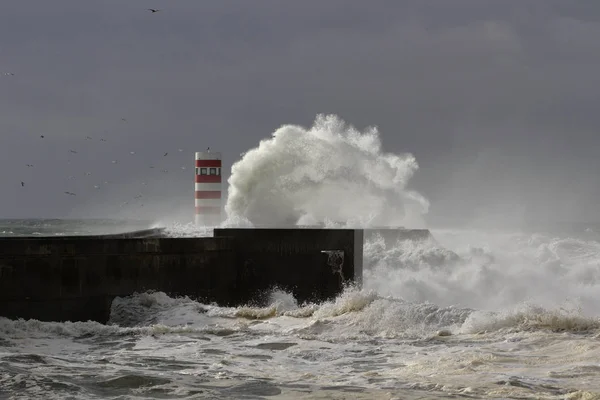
x=466 y=314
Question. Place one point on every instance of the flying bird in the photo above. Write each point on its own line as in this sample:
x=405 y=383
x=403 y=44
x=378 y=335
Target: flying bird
x=73 y=151
x=96 y=187
x=42 y=136
x=88 y=173
x=8 y=74
x=103 y=140
x=70 y=193
x=22 y=183
x=153 y=10
x=114 y=161
x=88 y=138
x=123 y=119
x=30 y=165
x=164 y=155
x=208 y=149
x=132 y=152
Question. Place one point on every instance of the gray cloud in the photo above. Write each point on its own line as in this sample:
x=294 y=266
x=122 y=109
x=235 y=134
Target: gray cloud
x=497 y=100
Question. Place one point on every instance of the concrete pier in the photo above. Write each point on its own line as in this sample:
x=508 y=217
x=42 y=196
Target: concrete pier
x=76 y=278
x=314 y=264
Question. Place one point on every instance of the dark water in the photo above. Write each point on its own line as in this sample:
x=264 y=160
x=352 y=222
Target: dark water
x=67 y=227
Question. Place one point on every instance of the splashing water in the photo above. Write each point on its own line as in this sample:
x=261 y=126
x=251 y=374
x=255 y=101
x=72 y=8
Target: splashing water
x=299 y=176
x=459 y=314
x=488 y=271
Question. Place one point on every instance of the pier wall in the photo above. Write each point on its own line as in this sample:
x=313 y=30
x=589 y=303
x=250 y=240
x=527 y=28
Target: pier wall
x=313 y=264
x=76 y=278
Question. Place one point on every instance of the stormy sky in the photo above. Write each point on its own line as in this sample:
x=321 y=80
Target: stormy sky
x=499 y=101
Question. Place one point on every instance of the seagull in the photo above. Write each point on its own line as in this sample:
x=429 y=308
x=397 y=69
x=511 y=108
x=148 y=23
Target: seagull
x=73 y=151
x=96 y=187
x=153 y=10
x=123 y=119
x=164 y=155
x=165 y=171
x=71 y=177
x=22 y=183
x=114 y=161
x=103 y=140
x=143 y=183
x=208 y=149
x=30 y=165
x=88 y=138
x=139 y=196
x=152 y=166
x=8 y=74
x=70 y=193
x=182 y=167
x=42 y=136
x=180 y=150
x=132 y=152
x=88 y=173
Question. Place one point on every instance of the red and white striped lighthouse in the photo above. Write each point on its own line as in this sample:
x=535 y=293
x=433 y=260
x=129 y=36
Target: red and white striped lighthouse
x=208 y=188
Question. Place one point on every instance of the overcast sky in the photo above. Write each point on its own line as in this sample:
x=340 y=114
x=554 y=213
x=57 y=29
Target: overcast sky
x=498 y=100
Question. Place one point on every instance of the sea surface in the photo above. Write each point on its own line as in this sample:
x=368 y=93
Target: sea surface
x=467 y=314
x=67 y=227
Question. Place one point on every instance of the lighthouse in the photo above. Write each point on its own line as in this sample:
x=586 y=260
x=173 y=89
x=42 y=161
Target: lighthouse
x=208 y=192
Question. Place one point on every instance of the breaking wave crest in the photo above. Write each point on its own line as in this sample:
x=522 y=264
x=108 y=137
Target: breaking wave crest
x=530 y=317
x=299 y=175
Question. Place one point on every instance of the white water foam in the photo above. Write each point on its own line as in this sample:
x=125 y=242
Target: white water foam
x=308 y=176
x=190 y=229
x=489 y=271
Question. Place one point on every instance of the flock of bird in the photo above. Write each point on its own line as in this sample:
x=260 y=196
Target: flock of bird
x=97 y=186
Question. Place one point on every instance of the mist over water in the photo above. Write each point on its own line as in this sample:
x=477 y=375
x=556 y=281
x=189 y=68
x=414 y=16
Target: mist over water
x=507 y=273
x=328 y=172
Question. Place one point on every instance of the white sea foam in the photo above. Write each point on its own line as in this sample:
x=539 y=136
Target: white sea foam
x=309 y=176
x=489 y=271
x=190 y=229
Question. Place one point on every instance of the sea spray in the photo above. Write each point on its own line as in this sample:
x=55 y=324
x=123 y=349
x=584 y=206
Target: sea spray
x=329 y=172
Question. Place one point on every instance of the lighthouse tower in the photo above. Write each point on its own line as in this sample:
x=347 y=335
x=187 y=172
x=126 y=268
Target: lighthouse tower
x=208 y=188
